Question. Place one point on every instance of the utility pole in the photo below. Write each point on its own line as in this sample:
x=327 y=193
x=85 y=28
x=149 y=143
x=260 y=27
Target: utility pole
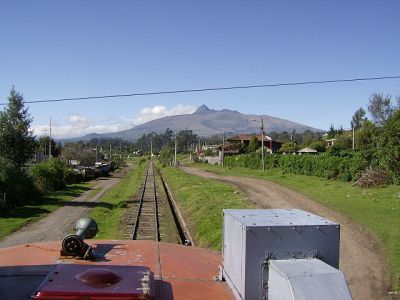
x=151 y=146
x=262 y=144
x=223 y=146
x=175 y=151
x=50 y=140
x=353 y=138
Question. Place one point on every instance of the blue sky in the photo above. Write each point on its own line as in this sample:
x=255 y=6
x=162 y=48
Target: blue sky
x=58 y=49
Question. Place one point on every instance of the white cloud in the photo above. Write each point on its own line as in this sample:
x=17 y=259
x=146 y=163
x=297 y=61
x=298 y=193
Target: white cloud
x=151 y=113
x=78 y=121
x=78 y=125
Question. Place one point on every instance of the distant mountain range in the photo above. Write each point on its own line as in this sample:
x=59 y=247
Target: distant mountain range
x=206 y=122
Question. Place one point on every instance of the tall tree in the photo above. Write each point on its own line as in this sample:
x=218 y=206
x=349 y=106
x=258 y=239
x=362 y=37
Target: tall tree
x=389 y=146
x=358 y=118
x=332 y=132
x=16 y=141
x=365 y=136
x=253 y=144
x=380 y=107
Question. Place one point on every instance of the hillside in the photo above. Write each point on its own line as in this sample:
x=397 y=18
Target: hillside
x=206 y=122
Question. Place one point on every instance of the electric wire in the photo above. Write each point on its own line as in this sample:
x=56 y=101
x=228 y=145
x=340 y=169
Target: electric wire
x=199 y=90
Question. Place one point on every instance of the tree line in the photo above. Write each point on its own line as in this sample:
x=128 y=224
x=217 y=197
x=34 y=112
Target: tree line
x=376 y=146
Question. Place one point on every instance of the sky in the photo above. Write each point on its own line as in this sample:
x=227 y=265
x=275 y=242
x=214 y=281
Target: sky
x=61 y=49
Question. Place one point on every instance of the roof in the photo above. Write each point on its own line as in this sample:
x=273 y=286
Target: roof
x=180 y=272
x=277 y=217
x=307 y=150
x=247 y=137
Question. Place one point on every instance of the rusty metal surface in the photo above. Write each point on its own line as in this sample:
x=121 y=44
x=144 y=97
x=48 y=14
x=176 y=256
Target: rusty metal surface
x=181 y=272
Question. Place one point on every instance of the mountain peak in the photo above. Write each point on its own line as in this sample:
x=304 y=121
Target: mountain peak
x=202 y=109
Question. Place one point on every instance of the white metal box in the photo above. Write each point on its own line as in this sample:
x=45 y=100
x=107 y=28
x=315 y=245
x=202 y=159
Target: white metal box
x=305 y=279
x=251 y=237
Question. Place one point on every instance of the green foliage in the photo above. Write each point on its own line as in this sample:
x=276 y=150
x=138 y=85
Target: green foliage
x=288 y=147
x=42 y=145
x=53 y=175
x=208 y=152
x=389 y=147
x=15 y=186
x=16 y=141
x=381 y=108
x=346 y=167
x=253 y=144
x=358 y=118
x=318 y=145
x=365 y=136
x=251 y=161
x=165 y=156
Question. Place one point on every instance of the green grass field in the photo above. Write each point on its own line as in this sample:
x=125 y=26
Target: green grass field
x=201 y=202
x=14 y=219
x=113 y=203
x=376 y=209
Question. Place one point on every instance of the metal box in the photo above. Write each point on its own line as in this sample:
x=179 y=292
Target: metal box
x=305 y=279
x=251 y=237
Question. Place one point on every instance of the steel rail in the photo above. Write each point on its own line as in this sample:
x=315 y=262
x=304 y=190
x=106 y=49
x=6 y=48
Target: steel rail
x=181 y=232
x=157 y=223
x=134 y=234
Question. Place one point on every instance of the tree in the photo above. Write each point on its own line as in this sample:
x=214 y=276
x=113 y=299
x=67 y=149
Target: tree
x=16 y=141
x=185 y=138
x=253 y=144
x=288 y=147
x=168 y=137
x=380 y=107
x=165 y=156
x=358 y=118
x=318 y=145
x=42 y=145
x=364 y=136
x=332 y=132
x=389 y=146
x=308 y=137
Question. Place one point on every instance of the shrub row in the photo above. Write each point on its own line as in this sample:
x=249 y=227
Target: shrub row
x=53 y=175
x=346 y=167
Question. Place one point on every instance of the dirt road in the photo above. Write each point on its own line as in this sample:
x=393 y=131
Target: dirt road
x=360 y=255
x=60 y=222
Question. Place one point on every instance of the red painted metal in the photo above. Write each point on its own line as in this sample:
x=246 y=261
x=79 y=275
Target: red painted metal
x=180 y=272
x=70 y=281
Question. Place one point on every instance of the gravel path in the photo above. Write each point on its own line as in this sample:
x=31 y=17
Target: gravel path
x=60 y=222
x=360 y=255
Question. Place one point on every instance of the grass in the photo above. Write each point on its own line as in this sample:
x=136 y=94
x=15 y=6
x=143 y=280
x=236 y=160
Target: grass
x=12 y=220
x=93 y=192
x=113 y=203
x=201 y=202
x=376 y=209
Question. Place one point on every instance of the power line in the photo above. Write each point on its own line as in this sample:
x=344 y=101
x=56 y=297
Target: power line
x=213 y=89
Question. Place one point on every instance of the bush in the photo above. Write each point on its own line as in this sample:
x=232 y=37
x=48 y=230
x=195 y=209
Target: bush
x=15 y=186
x=346 y=166
x=53 y=175
x=389 y=147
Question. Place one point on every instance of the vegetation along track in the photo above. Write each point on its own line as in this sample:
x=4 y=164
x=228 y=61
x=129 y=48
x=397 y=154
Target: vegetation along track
x=154 y=216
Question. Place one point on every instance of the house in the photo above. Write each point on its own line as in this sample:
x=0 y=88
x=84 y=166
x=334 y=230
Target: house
x=330 y=142
x=271 y=145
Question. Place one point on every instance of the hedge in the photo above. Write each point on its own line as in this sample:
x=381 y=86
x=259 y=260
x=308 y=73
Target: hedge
x=346 y=167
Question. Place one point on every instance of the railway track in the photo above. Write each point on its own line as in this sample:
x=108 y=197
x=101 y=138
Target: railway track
x=155 y=217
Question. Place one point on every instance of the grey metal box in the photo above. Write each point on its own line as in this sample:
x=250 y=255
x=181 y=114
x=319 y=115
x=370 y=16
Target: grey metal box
x=305 y=279
x=251 y=237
